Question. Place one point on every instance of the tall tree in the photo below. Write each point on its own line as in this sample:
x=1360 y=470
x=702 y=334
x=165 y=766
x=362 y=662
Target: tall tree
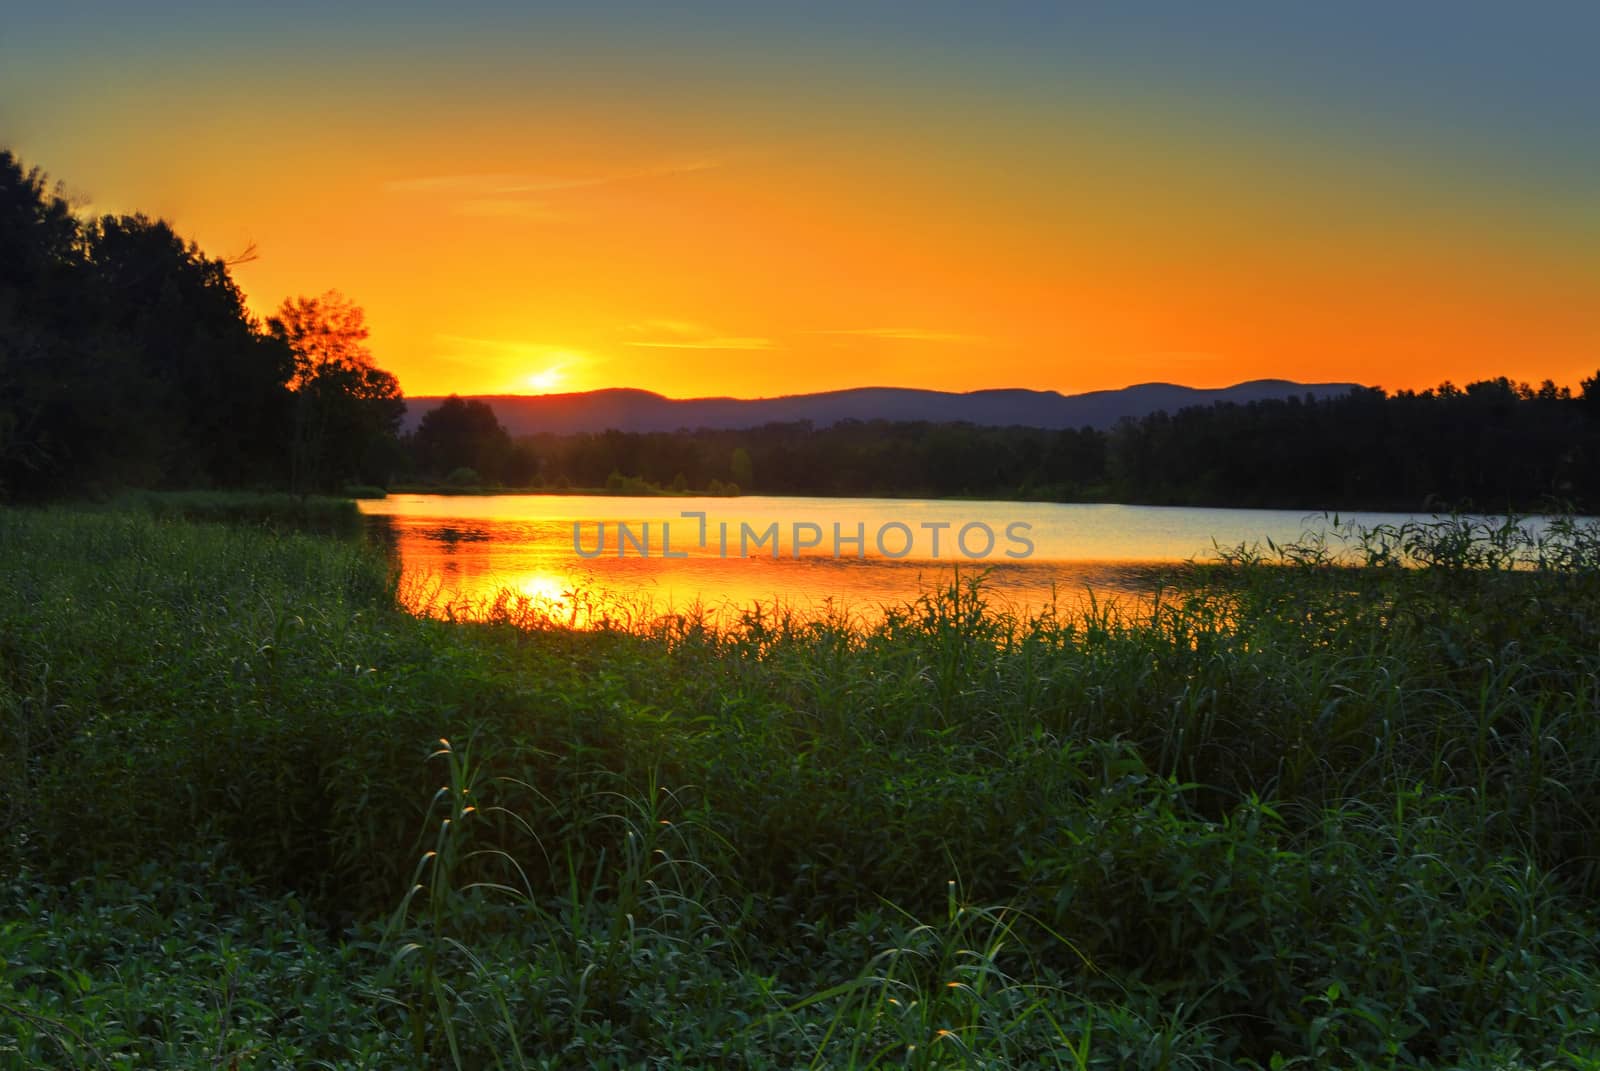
x=346 y=411
x=462 y=434
x=206 y=387
x=38 y=285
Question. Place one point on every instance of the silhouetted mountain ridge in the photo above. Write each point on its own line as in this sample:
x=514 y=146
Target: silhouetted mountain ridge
x=630 y=409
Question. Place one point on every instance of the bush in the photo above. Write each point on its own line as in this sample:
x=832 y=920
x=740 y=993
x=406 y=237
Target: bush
x=361 y=490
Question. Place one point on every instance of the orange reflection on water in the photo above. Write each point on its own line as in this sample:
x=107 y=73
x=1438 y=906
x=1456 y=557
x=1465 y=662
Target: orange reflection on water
x=543 y=558
x=519 y=558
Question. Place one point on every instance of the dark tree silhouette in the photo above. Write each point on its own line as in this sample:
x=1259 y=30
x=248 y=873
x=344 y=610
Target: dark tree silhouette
x=467 y=435
x=346 y=411
x=38 y=287
x=1492 y=445
x=126 y=355
x=195 y=355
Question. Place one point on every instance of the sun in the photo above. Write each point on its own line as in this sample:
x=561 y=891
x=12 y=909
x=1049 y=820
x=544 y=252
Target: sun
x=547 y=380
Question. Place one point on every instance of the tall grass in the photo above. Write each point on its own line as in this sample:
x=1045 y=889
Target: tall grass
x=278 y=511
x=1310 y=815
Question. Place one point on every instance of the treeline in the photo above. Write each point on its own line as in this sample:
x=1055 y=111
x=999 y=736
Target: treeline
x=1493 y=444
x=128 y=359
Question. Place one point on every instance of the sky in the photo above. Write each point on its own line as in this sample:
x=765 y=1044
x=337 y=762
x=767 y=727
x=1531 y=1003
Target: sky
x=754 y=200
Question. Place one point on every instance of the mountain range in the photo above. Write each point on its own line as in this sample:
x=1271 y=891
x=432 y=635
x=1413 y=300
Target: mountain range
x=639 y=410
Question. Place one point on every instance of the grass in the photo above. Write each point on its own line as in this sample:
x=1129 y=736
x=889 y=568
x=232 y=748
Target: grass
x=279 y=511
x=1297 y=814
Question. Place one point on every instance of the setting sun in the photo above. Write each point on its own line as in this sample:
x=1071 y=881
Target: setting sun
x=547 y=381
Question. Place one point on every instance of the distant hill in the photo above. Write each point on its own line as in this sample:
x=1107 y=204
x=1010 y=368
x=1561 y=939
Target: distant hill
x=639 y=410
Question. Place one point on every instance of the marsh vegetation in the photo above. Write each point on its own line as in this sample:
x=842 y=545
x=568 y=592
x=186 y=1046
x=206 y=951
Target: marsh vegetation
x=1295 y=813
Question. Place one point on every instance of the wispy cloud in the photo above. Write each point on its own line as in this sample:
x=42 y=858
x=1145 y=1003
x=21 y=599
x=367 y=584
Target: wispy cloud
x=522 y=195
x=476 y=183
x=486 y=195
x=504 y=346
x=906 y=334
x=731 y=342
x=685 y=335
x=505 y=208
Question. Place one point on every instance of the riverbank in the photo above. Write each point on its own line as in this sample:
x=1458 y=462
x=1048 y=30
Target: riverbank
x=1293 y=816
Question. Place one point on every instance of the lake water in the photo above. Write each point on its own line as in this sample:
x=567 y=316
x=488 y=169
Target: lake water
x=578 y=557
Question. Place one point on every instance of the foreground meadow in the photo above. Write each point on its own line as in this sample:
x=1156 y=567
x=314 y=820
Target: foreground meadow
x=1295 y=815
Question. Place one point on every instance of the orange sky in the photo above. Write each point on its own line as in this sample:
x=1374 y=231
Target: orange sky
x=699 y=229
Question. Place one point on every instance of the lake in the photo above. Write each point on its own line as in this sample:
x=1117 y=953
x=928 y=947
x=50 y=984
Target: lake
x=579 y=557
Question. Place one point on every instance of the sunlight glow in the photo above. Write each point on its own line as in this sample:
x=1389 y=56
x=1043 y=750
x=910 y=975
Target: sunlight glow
x=547 y=381
x=549 y=591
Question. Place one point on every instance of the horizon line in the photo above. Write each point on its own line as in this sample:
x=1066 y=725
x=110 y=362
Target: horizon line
x=880 y=386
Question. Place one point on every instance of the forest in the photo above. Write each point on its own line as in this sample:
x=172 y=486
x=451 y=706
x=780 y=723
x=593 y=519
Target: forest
x=1491 y=445
x=128 y=358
